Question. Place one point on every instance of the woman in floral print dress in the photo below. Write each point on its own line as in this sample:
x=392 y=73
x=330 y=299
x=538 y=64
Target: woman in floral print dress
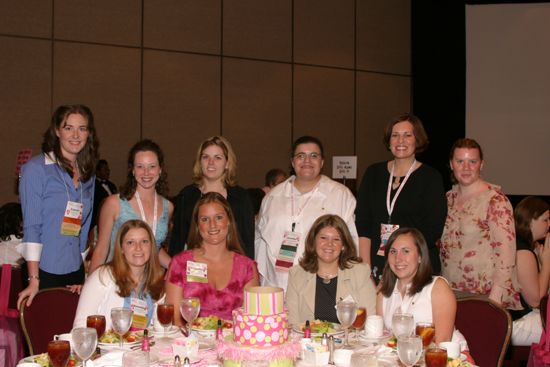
x=478 y=243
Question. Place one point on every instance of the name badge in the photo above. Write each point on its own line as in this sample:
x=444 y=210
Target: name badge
x=139 y=319
x=385 y=232
x=197 y=272
x=72 y=220
x=287 y=252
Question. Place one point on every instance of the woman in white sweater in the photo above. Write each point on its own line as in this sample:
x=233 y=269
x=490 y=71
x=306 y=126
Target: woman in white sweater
x=133 y=279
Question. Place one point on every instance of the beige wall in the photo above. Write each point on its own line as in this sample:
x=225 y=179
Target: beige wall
x=260 y=72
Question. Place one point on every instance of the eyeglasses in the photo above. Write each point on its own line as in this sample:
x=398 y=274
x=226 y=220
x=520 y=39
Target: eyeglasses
x=302 y=156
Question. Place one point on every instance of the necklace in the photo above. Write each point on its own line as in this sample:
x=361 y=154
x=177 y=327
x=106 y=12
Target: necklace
x=327 y=278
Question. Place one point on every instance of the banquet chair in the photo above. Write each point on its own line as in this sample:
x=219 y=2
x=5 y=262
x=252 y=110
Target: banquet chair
x=487 y=328
x=52 y=312
x=543 y=307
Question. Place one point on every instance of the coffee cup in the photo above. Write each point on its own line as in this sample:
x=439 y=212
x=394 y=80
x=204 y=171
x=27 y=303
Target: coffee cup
x=453 y=349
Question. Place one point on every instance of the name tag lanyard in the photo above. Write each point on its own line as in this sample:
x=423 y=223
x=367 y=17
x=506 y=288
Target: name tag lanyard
x=292 y=203
x=390 y=206
x=142 y=212
x=66 y=187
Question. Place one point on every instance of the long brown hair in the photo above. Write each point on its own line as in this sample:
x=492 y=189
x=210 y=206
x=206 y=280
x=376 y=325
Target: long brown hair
x=229 y=177
x=531 y=207
x=87 y=157
x=153 y=272
x=423 y=274
x=195 y=239
x=128 y=190
x=348 y=255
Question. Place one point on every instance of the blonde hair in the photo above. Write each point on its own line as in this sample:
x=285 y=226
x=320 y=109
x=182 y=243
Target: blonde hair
x=153 y=273
x=229 y=177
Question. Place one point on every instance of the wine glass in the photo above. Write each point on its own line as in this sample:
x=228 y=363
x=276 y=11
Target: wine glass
x=165 y=315
x=346 y=312
x=59 y=352
x=190 y=308
x=121 y=318
x=409 y=349
x=360 y=320
x=84 y=342
x=98 y=323
x=402 y=324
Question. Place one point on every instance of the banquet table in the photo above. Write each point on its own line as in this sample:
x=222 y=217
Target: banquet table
x=208 y=355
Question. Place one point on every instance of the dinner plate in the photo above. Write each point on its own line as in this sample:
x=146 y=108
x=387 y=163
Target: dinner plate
x=111 y=346
x=379 y=340
x=172 y=330
x=337 y=330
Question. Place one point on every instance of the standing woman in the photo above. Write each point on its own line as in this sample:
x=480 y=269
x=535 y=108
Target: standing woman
x=56 y=192
x=290 y=208
x=401 y=192
x=141 y=197
x=478 y=247
x=215 y=170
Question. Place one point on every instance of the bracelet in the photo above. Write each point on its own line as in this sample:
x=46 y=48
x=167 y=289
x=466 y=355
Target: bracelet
x=33 y=277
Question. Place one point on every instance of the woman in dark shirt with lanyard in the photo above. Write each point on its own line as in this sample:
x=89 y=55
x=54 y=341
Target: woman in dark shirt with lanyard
x=57 y=189
x=402 y=192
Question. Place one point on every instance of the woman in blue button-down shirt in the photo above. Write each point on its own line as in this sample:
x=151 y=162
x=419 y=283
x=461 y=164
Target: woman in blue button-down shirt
x=56 y=192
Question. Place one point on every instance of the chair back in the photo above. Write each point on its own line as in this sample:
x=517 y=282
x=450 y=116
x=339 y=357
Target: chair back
x=543 y=307
x=487 y=328
x=52 y=312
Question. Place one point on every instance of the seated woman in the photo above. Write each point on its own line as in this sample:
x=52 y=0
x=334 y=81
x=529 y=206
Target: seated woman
x=328 y=270
x=532 y=220
x=408 y=286
x=223 y=271
x=133 y=276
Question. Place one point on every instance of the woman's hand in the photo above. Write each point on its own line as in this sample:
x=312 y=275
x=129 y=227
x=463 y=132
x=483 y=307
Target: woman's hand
x=75 y=288
x=544 y=251
x=30 y=292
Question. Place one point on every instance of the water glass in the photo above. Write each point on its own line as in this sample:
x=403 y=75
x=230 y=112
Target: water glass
x=402 y=324
x=84 y=342
x=190 y=308
x=121 y=319
x=346 y=311
x=409 y=349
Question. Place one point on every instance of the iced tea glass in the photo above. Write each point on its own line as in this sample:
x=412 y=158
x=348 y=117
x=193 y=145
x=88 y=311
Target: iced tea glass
x=98 y=323
x=436 y=357
x=425 y=330
x=165 y=315
x=59 y=352
x=360 y=320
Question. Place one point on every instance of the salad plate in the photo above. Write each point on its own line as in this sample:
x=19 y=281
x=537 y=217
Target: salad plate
x=319 y=327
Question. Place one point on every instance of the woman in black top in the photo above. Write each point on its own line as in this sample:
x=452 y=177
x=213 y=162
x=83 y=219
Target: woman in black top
x=400 y=192
x=214 y=170
x=532 y=221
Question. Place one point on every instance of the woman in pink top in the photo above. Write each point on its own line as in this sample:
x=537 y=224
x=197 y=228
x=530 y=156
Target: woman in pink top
x=221 y=271
x=478 y=245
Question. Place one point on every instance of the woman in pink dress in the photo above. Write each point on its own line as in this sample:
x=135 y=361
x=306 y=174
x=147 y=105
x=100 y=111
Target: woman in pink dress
x=220 y=271
x=478 y=245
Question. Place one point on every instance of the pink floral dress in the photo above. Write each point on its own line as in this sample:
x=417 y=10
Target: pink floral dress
x=218 y=302
x=478 y=248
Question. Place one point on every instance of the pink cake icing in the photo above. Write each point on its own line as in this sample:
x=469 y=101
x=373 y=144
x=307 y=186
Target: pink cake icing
x=259 y=330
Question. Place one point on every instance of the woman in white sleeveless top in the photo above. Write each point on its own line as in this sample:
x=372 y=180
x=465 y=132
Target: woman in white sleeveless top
x=408 y=286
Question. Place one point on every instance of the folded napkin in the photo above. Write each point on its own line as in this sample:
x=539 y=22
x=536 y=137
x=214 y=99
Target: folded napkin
x=112 y=358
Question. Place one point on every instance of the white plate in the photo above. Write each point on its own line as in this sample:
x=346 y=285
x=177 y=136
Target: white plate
x=172 y=330
x=111 y=346
x=337 y=330
x=380 y=340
